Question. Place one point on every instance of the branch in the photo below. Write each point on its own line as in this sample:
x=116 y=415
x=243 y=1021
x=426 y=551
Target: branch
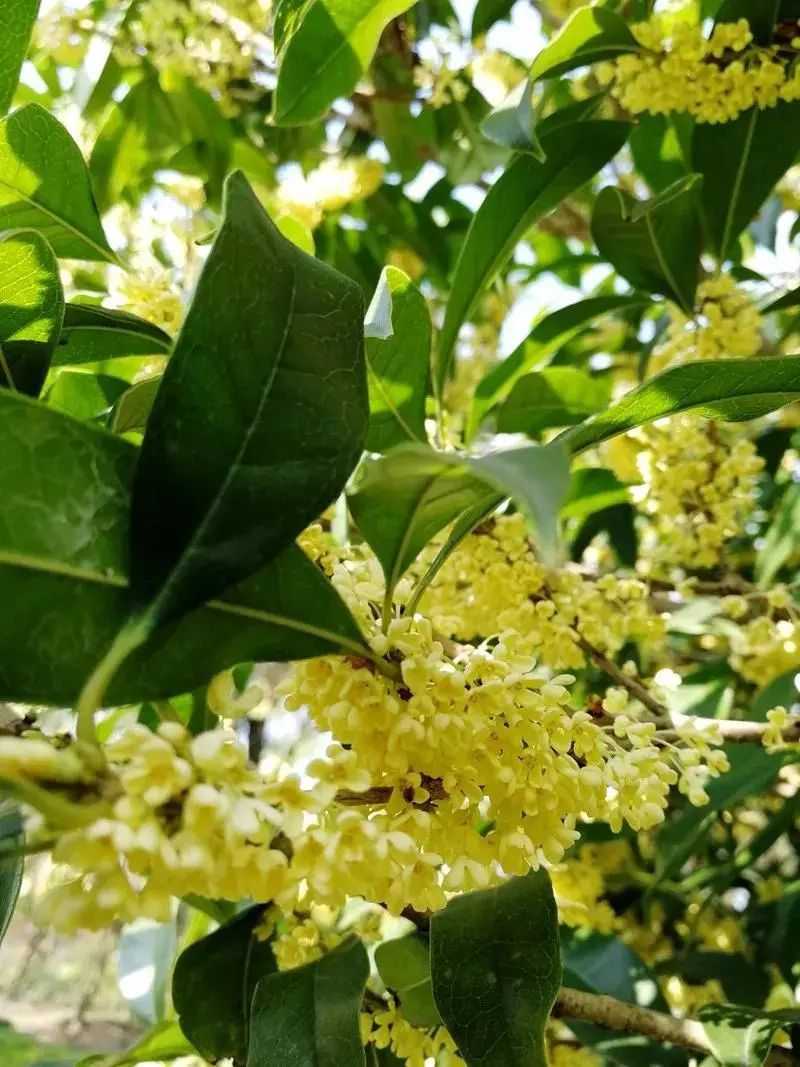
x=634 y=685
x=617 y=1015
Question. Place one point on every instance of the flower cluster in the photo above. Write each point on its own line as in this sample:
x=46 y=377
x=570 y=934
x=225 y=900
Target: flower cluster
x=213 y=44
x=712 y=78
x=332 y=185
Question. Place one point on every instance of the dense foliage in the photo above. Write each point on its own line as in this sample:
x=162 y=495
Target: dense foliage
x=399 y=485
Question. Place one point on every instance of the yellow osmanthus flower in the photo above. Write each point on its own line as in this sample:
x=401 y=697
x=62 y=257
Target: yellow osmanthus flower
x=562 y=1055
x=765 y=648
x=713 y=78
x=495 y=74
x=332 y=185
x=387 y=1028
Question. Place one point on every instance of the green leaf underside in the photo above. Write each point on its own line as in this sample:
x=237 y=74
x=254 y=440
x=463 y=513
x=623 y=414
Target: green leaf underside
x=403 y=500
x=740 y=162
x=309 y=1016
x=63 y=571
x=591 y=35
x=18 y=19
x=731 y=389
x=44 y=186
x=327 y=49
x=405 y=967
x=91 y=334
x=496 y=968
x=224 y=969
x=399 y=367
x=259 y=419
x=31 y=309
x=526 y=191
x=654 y=245
x=741 y=1036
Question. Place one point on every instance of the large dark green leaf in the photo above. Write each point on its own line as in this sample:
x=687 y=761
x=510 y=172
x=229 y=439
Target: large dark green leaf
x=44 y=185
x=592 y=34
x=487 y=12
x=740 y=162
x=31 y=309
x=10 y=866
x=732 y=389
x=222 y=969
x=309 y=1017
x=655 y=244
x=63 y=570
x=398 y=362
x=328 y=48
x=496 y=970
x=404 y=964
x=555 y=396
x=525 y=192
x=259 y=418
x=661 y=148
x=93 y=334
x=18 y=19
x=404 y=499
x=740 y=1036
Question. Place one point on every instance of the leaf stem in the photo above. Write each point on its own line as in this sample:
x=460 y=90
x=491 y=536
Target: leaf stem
x=133 y=634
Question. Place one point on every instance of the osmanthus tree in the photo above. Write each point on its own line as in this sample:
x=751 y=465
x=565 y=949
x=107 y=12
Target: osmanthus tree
x=459 y=381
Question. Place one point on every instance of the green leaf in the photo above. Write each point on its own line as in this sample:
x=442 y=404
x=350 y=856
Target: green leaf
x=523 y=194
x=165 y=1041
x=259 y=419
x=398 y=362
x=789 y=299
x=404 y=964
x=740 y=1036
x=740 y=162
x=85 y=395
x=329 y=46
x=404 y=499
x=752 y=772
x=92 y=334
x=591 y=490
x=486 y=13
x=309 y=1017
x=63 y=572
x=44 y=186
x=31 y=309
x=145 y=954
x=496 y=969
x=591 y=35
x=10 y=866
x=782 y=539
x=555 y=396
x=512 y=123
x=222 y=970
x=655 y=244
x=134 y=406
x=18 y=19
x=731 y=389
x=661 y=147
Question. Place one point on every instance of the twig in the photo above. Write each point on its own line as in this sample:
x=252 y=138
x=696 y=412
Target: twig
x=634 y=685
x=617 y=1015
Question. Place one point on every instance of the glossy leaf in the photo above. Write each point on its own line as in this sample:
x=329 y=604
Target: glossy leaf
x=735 y=390
x=18 y=19
x=92 y=334
x=404 y=965
x=740 y=162
x=31 y=310
x=258 y=421
x=512 y=123
x=10 y=866
x=328 y=48
x=398 y=363
x=555 y=396
x=85 y=395
x=487 y=12
x=523 y=194
x=496 y=968
x=63 y=572
x=592 y=34
x=740 y=1036
x=661 y=148
x=44 y=186
x=309 y=1016
x=222 y=969
x=655 y=245
x=403 y=500
x=163 y=1042
x=134 y=406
